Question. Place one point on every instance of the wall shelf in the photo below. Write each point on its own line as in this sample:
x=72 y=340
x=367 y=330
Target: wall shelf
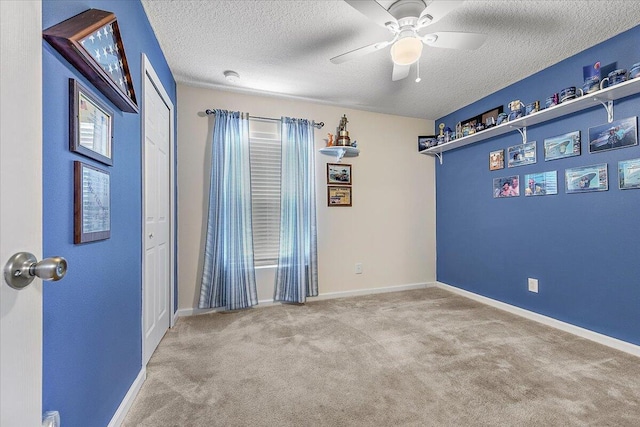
x=603 y=97
x=340 y=151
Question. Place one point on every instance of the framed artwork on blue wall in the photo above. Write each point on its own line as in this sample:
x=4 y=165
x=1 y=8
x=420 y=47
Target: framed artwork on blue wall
x=522 y=154
x=91 y=203
x=90 y=124
x=617 y=134
x=541 y=184
x=91 y=42
x=559 y=147
x=586 y=179
x=629 y=174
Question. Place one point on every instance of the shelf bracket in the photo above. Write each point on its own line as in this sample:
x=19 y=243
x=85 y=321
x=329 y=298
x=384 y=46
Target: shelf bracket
x=340 y=154
x=523 y=132
x=439 y=156
x=609 y=107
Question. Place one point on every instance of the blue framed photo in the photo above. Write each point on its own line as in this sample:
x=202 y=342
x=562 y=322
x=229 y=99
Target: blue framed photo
x=561 y=146
x=629 y=174
x=541 y=184
x=618 y=134
x=523 y=154
x=586 y=179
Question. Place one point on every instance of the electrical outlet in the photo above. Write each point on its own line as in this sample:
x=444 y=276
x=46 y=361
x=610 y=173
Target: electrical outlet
x=533 y=285
x=358 y=268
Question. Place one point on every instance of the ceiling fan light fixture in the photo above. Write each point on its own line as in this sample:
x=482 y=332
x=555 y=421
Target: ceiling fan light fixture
x=406 y=51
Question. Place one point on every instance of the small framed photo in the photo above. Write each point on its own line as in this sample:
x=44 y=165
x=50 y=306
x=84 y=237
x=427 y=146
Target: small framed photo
x=541 y=184
x=629 y=174
x=508 y=186
x=425 y=142
x=90 y=125
x=496 y=160
x=523 y=154
x=586 y=178
x=91 y=203
x=338 y=173
x=338 y=196
x=559 y=147
x=617 y=134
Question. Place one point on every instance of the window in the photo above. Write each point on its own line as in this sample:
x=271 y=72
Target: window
x=264 y=145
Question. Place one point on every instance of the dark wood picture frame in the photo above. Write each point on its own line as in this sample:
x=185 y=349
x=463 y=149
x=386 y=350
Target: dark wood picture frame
x=339 y=195
x=91 y=203
x=338 y=174
x=79 y=40
x=482 y=118
x=85 y=109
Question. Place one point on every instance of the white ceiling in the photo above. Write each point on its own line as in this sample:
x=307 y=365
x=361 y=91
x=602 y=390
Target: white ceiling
x=282 y=48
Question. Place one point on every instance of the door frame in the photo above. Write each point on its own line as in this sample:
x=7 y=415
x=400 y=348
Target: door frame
x=21 y=225
x=148 y=71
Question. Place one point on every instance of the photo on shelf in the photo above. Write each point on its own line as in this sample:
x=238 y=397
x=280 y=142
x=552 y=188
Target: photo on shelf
x=508 y=186
x=629 y=174
x=496 y=160
x=541 y=184
x=617 y=134
x=586 y=178
x=523 y=154
x=427 y=141
x=559 y=147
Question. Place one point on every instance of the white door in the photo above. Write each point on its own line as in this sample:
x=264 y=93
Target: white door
x=158 y=190
x=20 y=209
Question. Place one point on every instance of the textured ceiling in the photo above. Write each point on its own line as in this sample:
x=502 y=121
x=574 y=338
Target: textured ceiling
x=282 y=48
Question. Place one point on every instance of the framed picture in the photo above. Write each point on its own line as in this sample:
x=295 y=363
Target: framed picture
x=496 y=160
x=508 y=186
x=489 y=118
x=523 y=154
x=338 y=173
x=586 y=178
x=617 y=134
x=338 y=196
x=428 y=141
x=90 y=124
x=558 y=147
x=91 y=42
x=629 y=174
x=541 y=184
x=91 y=203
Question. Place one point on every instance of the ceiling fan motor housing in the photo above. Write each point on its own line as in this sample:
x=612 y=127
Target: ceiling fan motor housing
x=407 y=9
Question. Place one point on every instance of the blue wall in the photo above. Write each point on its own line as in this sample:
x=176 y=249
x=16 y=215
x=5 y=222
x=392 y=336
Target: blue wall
x=92 y=318
x=583 y=248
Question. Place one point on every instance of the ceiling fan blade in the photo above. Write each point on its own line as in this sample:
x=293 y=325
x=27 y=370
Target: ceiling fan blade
x=455 y=40
x=400 y=72
x=373 y=10
x=438 y=9
x=357 y=53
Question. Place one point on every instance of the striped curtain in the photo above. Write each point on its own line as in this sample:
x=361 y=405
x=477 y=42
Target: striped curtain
x=228 y=279
x=297 y=273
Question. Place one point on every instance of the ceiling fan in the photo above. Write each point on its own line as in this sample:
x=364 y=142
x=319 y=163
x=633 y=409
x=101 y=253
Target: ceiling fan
x=405 y=19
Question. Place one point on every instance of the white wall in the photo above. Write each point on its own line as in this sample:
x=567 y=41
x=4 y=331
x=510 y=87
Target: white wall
x=390 y=228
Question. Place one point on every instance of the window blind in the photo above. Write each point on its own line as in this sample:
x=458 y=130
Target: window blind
x=264 y=145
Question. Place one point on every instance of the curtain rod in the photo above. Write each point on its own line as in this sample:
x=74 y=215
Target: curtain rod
x=316 y=125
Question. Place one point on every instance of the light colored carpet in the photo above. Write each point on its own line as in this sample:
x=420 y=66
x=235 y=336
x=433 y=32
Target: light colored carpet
x=416 y=358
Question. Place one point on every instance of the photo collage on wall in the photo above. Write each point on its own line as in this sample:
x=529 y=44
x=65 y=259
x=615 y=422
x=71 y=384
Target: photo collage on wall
x=588 y=178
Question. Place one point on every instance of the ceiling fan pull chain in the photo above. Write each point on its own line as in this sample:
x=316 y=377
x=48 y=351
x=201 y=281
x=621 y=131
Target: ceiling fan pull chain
x=418 y=72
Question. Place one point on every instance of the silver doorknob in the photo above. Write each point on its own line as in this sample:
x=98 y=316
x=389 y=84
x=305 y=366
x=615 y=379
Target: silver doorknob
x=23 y=267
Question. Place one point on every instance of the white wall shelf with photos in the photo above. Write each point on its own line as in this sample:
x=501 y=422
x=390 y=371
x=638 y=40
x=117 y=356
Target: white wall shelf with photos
x=604 y=97
x=340 y=151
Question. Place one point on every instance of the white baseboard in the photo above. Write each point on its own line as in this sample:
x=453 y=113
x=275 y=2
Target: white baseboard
x=369 y=291
x=548 y=321
x=329 y=295
x=126 y=403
